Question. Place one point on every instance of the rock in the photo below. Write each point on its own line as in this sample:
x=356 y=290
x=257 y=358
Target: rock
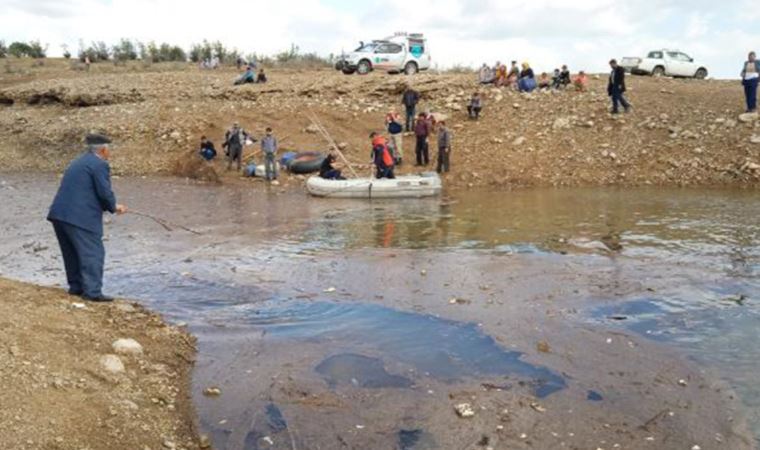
x=464 y=410
x=170 y=445
x=112 y=363
x=342 y=146
x=755 y=139
x=312 y=129
x=124 y=307
x=127 y=347
x=212 y=392
x=519 y=141
x=516 y=105
x=496 y=140
x=204 y=441
x=175 y=135
x=682 y=382
x=543 y=347
x=748 y=117
x=561 y=123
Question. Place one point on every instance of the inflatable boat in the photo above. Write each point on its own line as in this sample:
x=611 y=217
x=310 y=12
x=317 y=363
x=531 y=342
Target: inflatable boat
x=406 y=186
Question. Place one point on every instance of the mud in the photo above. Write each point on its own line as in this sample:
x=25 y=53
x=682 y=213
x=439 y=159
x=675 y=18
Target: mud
x=330 y=324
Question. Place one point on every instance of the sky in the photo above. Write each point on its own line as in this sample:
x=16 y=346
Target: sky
x=584 y=34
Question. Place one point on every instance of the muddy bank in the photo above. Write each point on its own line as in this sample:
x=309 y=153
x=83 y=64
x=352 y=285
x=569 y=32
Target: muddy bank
x=66 y=387
x=682 y=132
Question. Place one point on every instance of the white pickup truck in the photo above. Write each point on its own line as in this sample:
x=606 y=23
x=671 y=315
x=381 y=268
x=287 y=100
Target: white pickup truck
x=672 y=63
x=402 y=52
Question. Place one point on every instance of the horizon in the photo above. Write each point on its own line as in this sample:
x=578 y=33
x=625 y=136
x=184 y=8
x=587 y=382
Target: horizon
x=547 y=33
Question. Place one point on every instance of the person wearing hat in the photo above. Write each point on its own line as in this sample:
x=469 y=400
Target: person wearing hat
x=77 y=218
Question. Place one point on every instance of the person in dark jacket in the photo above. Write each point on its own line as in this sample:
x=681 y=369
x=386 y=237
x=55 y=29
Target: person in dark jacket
x=262 y=77
x=444 y=147
x=77 y=218
x=616 y=88
x=234 y=140
x=207 y=151
x=410 y=100
x=750 y=75
x=328 y=171
x=475 y=106
x=422 y=131
x=564 y=76
x=527 y=81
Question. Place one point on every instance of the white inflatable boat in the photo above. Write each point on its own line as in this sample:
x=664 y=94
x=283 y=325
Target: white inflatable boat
x=406 y=186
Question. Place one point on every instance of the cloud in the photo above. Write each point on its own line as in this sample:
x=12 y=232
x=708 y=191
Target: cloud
x=583 y=34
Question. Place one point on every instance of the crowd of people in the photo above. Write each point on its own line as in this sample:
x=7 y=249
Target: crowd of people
x=523 y=78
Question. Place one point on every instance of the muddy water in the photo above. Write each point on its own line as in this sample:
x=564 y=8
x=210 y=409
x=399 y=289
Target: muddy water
x=567 y=318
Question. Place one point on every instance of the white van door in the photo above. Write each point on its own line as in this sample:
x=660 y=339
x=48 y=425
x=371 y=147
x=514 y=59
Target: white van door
x=389 y=56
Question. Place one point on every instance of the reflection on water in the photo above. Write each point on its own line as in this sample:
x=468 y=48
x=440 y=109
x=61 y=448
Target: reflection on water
x=673 y=223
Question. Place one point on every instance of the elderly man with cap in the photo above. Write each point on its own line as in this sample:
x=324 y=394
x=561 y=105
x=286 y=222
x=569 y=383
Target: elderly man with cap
x=77 y=217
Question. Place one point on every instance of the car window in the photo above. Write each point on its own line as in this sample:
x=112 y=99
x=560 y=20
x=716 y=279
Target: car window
x=416 y=48
x=684 y=57
x=389 y=48
x=367 y=48
x=673 y=55
x=655 y=55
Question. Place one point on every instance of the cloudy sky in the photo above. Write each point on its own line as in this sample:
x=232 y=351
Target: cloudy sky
x=581 y=33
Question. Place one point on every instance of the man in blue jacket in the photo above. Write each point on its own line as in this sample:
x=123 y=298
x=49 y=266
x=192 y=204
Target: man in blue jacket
x=77 y=217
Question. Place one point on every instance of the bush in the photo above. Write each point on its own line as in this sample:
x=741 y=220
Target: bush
x=97 y=51
x=37 y=50
x=19 y=49
x=125 y=50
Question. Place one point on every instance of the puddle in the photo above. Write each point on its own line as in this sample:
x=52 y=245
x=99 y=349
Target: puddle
x=442 y=349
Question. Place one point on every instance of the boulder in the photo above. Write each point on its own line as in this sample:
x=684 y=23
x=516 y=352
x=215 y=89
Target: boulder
x=127 y=347
x=112 y=363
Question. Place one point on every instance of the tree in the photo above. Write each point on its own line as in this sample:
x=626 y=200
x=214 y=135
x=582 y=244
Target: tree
x=124 y=51
x=3 y=49
x=66 y=52
x=37 y=50
x=19 y=49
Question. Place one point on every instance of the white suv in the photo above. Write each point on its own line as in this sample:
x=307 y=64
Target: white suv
x=665 y=62
x=401 y=52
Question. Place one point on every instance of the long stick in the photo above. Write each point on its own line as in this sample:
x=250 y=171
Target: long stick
x=168 y=226
x=331 y=141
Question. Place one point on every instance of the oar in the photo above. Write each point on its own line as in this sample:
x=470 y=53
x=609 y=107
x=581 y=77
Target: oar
x=168 y=226
x=331 y=141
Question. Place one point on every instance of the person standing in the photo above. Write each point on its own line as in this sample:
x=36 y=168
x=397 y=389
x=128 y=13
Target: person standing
x=750 y=77
x=381 y=156
x=269 y=147
x=77 y=217
x=422 y=131
x=233 y=142
x=444 y=147
x=616 y=88
x=395 y=129
x=410 y=100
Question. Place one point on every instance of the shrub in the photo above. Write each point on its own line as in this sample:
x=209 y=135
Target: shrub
x=19 y=49
x=125 y=50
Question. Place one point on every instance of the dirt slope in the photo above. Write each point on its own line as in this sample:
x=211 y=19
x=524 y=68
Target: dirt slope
x=58 y=393
x=682 y=132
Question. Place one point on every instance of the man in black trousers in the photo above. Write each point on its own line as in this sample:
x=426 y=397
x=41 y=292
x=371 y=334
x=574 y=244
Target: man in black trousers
x=616 y=88
x=77 y=218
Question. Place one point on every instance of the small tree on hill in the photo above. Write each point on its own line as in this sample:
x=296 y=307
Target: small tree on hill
x=66 y=52
x=125 y=50
x=3 y=49
x=37 y=50
x=19 y=49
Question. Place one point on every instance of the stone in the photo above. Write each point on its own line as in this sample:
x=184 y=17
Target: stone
x=204 y=441
x=212 y=392
x=112 y=363
x=748 y=117
x=519 y=141
x=127 y=347
x=464 y=410
x=561 y=123
x=755 y=139
x=342 y=146
x=312 y=129
x=175 y=135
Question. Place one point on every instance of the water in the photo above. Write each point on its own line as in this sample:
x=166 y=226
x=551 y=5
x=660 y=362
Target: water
x=685 y=279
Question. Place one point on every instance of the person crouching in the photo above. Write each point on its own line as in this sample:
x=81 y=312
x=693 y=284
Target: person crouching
x=381 y=156
x=207 y=151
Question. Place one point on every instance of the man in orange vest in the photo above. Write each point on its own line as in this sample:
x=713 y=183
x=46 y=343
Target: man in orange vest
x=381 y=156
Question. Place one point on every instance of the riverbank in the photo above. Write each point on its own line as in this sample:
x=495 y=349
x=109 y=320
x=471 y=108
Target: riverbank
x=681 y=132
x=67 y=386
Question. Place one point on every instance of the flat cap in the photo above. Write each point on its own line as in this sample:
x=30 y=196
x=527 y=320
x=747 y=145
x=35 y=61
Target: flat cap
x=96 y=139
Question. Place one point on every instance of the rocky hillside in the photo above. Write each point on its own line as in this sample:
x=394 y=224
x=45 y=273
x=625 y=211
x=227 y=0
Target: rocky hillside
x=681 y=132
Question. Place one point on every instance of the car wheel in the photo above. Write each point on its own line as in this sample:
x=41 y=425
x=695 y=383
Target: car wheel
x=701 y=74
x=658 y=71
x=410 y=68
x=364 y=67
x=348 y=71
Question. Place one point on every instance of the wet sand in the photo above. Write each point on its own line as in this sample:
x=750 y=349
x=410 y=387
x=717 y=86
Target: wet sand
x=284 y=295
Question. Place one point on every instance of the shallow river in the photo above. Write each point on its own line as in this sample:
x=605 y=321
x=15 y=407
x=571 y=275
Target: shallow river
x=353 y=324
